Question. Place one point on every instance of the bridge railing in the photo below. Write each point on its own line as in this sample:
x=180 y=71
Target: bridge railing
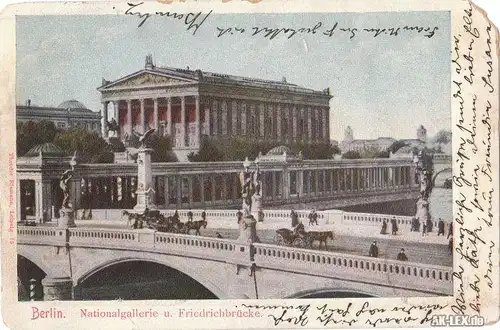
x=42 y=235
x=324 y=217
x=397 y=274
x=204 y=247
x=194 y=246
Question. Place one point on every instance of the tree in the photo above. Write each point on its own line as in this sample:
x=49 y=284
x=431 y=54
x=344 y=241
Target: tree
x=90 y=146
x=162 y=149
x=442 y=137
x=396 y=145
x=351 y=155
x=30 y=134
x=208 y=152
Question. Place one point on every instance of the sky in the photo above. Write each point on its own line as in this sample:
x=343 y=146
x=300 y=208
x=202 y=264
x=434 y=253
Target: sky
x=384 y=86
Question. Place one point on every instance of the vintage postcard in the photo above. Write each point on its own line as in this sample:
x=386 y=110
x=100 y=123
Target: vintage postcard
x=249 y=164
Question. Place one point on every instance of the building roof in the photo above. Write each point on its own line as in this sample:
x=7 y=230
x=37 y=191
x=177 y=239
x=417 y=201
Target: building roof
x=206 y=76
x=279 y=150
x=48 y=149
x=72 y=104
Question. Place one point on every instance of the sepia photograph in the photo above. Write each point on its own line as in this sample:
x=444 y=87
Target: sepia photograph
x=160 y=161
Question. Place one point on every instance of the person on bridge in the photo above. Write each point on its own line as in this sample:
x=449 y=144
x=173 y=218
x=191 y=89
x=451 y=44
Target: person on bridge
x=424 y=229
x=450 y=230
x=441 y=227
x=239 y=216
x=373 y=250
x=190 y=216
x=394 y=226
x=218 y=235
x=450 y=245
x=402 y=256
x=295 y=218
x=176 y=216
x=384 y=228
x=204 y=215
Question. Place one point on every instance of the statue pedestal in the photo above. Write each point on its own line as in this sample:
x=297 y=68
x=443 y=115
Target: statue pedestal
x=145 y=193
x=145 y=200
x=423 y=214
x=66 y=218
x=248 y=230
x=257 y=208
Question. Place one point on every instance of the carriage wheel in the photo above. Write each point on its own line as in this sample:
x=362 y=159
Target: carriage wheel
x=298 y=242
x=278 y=239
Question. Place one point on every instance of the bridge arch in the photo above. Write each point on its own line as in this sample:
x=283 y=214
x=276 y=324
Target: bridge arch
x=441 y=172
x=340 y=292
x=51 y=269
x=186 y=269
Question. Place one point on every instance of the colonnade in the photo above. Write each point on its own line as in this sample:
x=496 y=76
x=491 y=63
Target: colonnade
x=212 y=189
x=187 y=117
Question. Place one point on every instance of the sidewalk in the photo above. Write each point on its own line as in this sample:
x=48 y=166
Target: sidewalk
x=339 y=229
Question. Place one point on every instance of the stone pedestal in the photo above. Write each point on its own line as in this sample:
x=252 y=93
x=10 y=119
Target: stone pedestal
x=257 y=208
x=423 y=214
x=248 y=230
x=66 y=218
x=145 y=192
x=57 y=288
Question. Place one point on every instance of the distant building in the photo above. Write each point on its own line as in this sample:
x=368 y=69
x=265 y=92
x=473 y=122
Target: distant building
x=69 y=114
x=380 y=144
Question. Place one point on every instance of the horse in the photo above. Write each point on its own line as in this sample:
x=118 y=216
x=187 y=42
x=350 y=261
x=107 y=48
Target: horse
x=131 y=216
x=321 y=236
x=196 y=225
x=113 y=126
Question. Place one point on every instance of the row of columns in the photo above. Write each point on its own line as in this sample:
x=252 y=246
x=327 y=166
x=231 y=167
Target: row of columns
x=144 y=125
x=225 y=117
x=211 y=189
x=352 y=180
x=268 y=121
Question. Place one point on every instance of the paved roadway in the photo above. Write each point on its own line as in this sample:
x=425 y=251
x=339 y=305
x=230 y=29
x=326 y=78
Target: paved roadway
x=426 y=253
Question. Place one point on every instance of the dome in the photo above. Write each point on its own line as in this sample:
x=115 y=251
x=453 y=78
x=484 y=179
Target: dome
x=48 y=149
x=72 y=104
x=279 y=150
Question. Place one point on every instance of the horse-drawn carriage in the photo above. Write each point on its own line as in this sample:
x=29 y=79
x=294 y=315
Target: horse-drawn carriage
x=166 y=224
x=298 y=237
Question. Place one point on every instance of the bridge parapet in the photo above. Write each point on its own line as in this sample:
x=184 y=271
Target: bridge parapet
x=146 y=240
x=42 y=235
x=397 y=274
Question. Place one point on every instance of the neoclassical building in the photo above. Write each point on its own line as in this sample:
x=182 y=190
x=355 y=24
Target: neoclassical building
x=186 y=104
x=68 y=114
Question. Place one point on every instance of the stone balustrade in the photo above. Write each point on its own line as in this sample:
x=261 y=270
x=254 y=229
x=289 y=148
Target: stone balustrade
x=42 y=235
x=404 y=275
x=397 y=274
x=324 y=217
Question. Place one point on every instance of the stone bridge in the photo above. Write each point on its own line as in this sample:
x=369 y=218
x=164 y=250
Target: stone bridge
x=442 y=169
x=227 y=268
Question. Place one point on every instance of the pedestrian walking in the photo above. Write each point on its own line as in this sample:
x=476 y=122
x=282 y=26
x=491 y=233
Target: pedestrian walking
x=441 y=227
x=450 y=245
x=373 y=250
x=204 y=215
x=402 y=256
x=190 y=216
x=424 y=229
x=383 y=231
x=394 y=226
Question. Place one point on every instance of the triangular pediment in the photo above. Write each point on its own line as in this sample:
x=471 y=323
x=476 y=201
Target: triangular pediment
x=147 y=78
